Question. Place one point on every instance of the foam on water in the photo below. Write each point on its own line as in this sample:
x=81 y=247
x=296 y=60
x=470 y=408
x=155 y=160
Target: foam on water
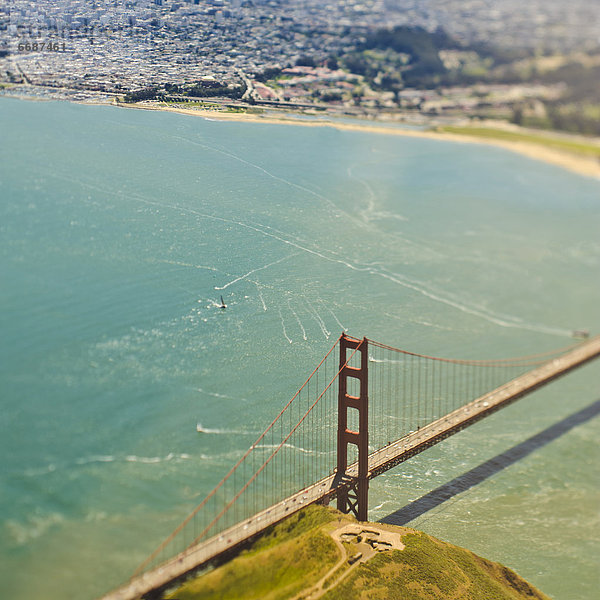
x=291 y=446
x=201 y=429
x=35 y=526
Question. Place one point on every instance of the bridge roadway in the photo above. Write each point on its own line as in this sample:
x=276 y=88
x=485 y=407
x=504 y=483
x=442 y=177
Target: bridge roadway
x=379 y=461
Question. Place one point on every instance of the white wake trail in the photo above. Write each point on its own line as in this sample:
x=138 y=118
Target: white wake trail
x=276 y=177
x=332 y=314
x=184 y=264
x=370 y=208
x=255 y=270
x=500 y=320
x=217 y=395
x=260 y=295
x=497 y=319
x=283 y=327
x=297 y=319
x=291 y=447
x=320 y=321
x=201 y=429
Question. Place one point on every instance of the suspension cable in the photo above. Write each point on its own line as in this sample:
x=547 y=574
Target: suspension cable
x=282 y=443
x=174 y=534
x=510 y=362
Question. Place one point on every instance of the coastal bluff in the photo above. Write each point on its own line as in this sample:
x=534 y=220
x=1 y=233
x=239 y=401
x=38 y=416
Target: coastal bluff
x=322 y=553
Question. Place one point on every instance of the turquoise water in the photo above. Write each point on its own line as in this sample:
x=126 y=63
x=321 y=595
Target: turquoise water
x=120 y=229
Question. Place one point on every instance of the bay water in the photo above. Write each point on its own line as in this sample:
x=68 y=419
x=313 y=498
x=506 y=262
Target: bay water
x=120 y=230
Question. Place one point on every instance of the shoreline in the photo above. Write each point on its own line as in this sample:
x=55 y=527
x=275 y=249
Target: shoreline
x=588 y=166
x=579 y=164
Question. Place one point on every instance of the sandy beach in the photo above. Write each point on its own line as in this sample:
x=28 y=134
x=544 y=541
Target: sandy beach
x=580 y=164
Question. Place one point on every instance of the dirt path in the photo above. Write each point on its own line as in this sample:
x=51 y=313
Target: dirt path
x=367 y=541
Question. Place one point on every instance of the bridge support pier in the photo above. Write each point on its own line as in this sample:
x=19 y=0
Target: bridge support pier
x=355 y=495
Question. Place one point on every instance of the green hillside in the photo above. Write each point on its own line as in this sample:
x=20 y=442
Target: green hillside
x=321 y=553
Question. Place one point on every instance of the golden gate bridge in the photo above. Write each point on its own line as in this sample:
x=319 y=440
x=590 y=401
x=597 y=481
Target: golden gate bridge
x=366 y=408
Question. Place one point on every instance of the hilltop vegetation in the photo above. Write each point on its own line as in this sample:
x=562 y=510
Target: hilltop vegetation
x=428 y=568
x=410 y=68
x=280 y=564
x=287 y=562
x=405 y=57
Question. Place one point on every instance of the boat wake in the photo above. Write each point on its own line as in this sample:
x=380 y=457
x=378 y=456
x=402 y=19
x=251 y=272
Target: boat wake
x=291 y=447
x=105 y=459
x=201 y=429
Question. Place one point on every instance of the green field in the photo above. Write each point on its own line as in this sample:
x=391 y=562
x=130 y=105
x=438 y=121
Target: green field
x=193 y=104
x=548 y=141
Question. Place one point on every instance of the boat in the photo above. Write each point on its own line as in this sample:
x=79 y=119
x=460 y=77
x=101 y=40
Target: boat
x=223 y=305
x=580 y=333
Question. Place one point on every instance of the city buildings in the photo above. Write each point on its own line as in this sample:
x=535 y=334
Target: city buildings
x=116 y=46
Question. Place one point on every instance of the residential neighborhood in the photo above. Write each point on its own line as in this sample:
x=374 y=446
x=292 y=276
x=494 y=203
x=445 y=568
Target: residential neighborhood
x=286 y=52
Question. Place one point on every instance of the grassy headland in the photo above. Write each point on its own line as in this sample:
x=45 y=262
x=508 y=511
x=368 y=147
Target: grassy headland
x=305 y=557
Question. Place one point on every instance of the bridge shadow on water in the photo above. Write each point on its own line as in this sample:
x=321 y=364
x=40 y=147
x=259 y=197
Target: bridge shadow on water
x=490 y=467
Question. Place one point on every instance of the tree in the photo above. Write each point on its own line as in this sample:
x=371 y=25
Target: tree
x=306 y=61
x=332 y=63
